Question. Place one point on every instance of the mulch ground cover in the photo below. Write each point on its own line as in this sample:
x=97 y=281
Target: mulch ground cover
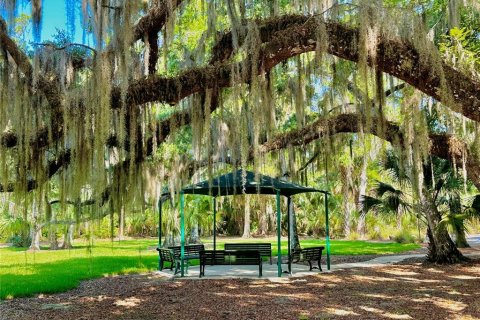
x=408 y=291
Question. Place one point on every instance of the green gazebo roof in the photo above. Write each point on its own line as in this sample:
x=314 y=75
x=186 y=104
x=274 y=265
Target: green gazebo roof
x=246 y=182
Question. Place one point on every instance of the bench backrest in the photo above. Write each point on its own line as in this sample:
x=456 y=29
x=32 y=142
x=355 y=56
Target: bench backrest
x=191 y=251
x=166 y=254
x=313 y=253
x=222 y=257
x=265 y=249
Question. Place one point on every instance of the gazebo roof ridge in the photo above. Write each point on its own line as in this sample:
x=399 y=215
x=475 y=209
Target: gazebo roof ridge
x=246 y=182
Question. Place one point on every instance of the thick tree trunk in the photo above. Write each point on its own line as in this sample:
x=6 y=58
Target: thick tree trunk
x=194 y=234
x=121 y=223
x=52 y=229
x=52 y=237
x=68 y=237
x=35 y=228
x=246 y=220
x=347 y=185
x=295 y=240
x=362 y=190
x=461 y=238
x=271 y=218
x=399 y=220
x=35 y=233
x=441 y=249
x=262 y=223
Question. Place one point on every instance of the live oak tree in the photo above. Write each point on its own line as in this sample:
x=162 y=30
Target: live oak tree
x=96 y=118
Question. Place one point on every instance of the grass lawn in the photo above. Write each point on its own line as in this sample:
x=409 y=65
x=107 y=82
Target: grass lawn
x=25 y=273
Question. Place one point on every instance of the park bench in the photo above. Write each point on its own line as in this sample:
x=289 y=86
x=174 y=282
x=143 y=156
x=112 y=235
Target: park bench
x=173 y=255
x=230 y=257
x=166 y=255
x=310 y=255
x=265 y=249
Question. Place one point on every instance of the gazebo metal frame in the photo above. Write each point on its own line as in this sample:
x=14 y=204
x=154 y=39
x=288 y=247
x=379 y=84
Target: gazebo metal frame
x=244 y=182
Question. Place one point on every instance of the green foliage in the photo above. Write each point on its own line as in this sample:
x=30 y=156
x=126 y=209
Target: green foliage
x=404 y=236
x=19 y=241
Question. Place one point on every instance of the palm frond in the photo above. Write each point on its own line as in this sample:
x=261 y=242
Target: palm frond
x=476 y=203
x=368 y=203
x=381 y=188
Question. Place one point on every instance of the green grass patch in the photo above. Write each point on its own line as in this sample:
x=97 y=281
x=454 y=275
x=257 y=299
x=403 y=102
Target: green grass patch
x=24 y=273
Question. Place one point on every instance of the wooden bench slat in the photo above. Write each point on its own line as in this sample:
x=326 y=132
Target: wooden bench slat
x=227 y=257
x=265 y=249
x=173 y=255
x=312 y=254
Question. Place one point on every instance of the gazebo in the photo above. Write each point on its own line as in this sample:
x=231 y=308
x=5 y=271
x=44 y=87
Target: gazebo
x=245 y=182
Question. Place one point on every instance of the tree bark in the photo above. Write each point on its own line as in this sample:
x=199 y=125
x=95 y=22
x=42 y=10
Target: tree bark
x=362 y=190
x=461 y=238
x=441 y=249
x=347 y=185
x=68 y=237
x=194 y=234
x=35 y=233
x=121 y=223
x=35 y=228
x=295 y=240
x=246 y=219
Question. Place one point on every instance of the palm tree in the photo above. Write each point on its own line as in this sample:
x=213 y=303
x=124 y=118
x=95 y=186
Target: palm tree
x=457 y=217
x=439 y=181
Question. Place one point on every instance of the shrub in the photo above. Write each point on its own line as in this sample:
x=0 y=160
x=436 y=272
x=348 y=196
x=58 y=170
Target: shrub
x=353 y=236
x=19 y=241
x=374 y=234
x=404 y=237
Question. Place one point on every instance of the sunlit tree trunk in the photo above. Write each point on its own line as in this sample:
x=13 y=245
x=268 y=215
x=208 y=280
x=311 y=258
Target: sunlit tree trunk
x=362 y=189
x=460 y=237
x=121 y=223
x=52 y=228
x=247 y=220
x=399 y=220
x=194 y=234
x=348 y=207
x=35 y=228
x=35 y=233
x=68 y=237
x=441 y=248
x=295 y=240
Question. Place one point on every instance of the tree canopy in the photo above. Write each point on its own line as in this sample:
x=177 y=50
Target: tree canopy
x=170 y=88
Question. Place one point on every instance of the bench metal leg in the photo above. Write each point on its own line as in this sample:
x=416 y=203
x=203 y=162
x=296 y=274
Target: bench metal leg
x=319 y=265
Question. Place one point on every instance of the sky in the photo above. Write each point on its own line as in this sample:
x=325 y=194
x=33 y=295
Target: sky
x=54 y=16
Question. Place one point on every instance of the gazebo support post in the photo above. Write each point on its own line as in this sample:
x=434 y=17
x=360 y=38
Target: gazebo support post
x=279 y=245
x=327 y=236
x=159 y=231
x=182 y=233
x=214 y=223
x=289 y=222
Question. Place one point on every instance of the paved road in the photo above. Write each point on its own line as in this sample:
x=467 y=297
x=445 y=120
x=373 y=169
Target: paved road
x=474 y=240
